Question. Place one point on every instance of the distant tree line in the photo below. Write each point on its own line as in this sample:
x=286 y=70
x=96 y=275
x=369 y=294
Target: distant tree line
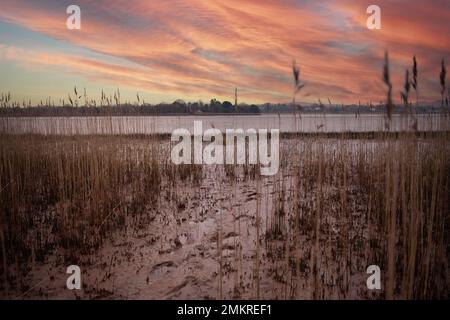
x=8 y=108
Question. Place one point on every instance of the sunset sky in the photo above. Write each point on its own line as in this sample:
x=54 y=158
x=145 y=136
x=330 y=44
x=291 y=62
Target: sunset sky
x=203 y=49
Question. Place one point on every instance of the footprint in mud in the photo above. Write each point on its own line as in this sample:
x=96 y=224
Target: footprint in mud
x=213 y=237
x=180 y=240
x=189 y=284
x=251 y=197
x=163 y=267
x=227 y=246
x=175 y=244
x=243 y=217
x=231 y=234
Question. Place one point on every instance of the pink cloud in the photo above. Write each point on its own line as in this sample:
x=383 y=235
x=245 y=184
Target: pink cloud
x=209 y=47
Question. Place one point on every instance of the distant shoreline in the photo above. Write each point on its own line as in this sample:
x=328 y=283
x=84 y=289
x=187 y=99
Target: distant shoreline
x=299 y=114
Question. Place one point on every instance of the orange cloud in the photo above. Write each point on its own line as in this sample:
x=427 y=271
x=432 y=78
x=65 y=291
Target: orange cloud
x=206 y=48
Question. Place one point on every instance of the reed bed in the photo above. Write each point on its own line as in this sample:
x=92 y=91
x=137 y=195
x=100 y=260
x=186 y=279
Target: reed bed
x=336 y=206
x=69 y=193
x=345 y=204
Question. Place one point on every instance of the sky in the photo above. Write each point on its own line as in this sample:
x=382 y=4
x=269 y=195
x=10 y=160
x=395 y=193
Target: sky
x=203 y=49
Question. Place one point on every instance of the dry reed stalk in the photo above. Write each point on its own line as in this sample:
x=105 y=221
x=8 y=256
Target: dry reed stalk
x=414 y=80
x=298 y=85
x=442 y=77
x=387 y=81
x=258 y=226
x=405 y=92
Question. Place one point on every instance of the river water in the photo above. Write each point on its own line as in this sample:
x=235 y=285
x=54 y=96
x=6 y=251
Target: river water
x=166 y=124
